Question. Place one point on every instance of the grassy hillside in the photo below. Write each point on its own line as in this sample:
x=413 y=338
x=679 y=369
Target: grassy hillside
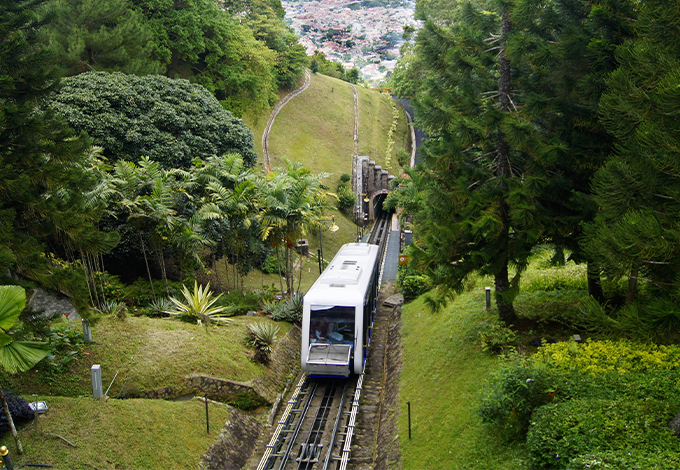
x=149 y=353
x=445 y=367
x=119 y=434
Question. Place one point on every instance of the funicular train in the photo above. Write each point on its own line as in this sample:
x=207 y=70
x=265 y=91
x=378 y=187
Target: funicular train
x=338 y=313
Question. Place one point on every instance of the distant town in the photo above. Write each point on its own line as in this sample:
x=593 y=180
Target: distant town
x=363 y=34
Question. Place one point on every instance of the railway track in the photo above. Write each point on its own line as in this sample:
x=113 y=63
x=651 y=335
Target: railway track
x=315 y=431
x=316 y=428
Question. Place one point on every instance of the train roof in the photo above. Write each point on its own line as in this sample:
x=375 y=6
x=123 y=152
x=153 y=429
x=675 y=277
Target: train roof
x=347 y=276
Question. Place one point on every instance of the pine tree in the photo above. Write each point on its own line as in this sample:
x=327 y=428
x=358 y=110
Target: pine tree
x=44 y=172
x=566 y=49
x=89 y=35
x=636 y=232
x=478 y=178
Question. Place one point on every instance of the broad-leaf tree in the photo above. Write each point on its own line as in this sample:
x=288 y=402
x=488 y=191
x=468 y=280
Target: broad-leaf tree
x=15 y=356
x=169 y=121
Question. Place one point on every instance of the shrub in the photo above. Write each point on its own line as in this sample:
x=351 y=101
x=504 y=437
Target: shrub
x=561 y=433
x=272 y=265
x=663 y=385
x=345 y=177
x=261 y=336
x=621 y=356
x=346 y=198
x=289 y=310
x=495 y=337
x=18 y=408
x=512 y=394
x=414 y=285
x=239 y=302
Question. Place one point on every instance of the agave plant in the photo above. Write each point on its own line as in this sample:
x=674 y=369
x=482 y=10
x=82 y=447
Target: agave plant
x=159 y=306
x=261 y=336
x=112 y=307
x=198 y=304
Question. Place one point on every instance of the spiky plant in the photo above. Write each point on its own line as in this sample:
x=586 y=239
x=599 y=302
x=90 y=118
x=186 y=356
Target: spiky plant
x=112 y=307
x=198 y=304
x=261 y=336
x=159 y=306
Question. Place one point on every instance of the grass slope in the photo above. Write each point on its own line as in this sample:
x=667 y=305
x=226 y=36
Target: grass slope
x=150 y=353
x=442 y=374
x=119 y=434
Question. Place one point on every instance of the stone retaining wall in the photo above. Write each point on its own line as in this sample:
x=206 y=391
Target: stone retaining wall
x=235 y=443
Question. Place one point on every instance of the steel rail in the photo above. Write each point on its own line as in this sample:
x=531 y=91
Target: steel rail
x=282 y=424
x=338 y=418
x=296 y=431
x=308 y=452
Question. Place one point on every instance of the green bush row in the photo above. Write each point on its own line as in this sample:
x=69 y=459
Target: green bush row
x=566 y=435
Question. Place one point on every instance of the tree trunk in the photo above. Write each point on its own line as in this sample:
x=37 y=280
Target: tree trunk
x=146 y=262
x=594 y=282
x=11 y=421
x=506 y=310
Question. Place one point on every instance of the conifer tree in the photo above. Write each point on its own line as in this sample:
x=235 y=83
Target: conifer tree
x=636 y=232
x=566 y=49
x=90 y=35
x=44 y=172
x=478 y=178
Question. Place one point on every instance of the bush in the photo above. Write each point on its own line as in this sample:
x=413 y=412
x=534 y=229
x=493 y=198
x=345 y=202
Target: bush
x=664 y=385
x=512 y=394
x=139 y=292
x=344 y=178
x=18 y=408
x=272 y=265
x=239 y=302
x=595 y=357
x=495 y=337
x=346 y=198
x=414 y=285
x=289 y=310
x=565 y=433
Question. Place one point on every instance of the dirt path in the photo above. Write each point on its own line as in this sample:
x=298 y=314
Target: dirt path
x=272 y=117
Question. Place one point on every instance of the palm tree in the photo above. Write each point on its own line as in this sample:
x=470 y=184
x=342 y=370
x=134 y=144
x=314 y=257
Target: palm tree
x=15 y=356
x=291 y=204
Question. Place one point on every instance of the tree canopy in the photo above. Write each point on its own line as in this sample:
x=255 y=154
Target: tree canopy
x=169 y=121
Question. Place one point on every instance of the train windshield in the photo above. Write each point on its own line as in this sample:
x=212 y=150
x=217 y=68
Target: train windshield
x=331 y=324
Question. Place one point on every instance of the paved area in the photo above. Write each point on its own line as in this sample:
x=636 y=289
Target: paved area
x=392 y=252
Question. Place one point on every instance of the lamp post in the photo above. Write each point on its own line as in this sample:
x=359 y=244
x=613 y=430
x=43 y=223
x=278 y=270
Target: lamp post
x=332 y=228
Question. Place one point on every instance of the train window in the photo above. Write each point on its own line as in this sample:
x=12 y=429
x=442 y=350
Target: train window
x=331 y=324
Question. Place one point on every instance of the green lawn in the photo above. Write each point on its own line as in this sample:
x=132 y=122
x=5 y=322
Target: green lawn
x=149 y=353
x=118 y=434
x=443 y=370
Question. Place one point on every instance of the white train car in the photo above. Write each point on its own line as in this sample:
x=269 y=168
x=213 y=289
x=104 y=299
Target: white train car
x=338 y=313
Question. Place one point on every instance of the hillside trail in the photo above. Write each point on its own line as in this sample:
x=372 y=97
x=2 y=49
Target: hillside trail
x=279 y=106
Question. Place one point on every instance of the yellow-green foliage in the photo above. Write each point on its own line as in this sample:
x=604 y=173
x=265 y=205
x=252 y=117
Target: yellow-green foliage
x=596 y=357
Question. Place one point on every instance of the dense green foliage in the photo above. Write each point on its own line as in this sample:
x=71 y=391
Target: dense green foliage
x=46 y=172
x=169 y=121
x=548 y=122
x=87 y=35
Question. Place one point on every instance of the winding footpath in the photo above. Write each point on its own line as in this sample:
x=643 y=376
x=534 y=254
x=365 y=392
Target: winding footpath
x=272 y=117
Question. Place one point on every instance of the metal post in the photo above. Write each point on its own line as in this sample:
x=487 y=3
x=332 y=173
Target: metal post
x=318 y=253
x=207 y=418
x=488 y=298
x=87 y=332
x=6 y=458
x=97 y=391
x=35 y=409
x=409 y=419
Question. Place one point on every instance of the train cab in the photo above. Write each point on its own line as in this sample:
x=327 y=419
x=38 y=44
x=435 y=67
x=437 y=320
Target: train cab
x=338 y=313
